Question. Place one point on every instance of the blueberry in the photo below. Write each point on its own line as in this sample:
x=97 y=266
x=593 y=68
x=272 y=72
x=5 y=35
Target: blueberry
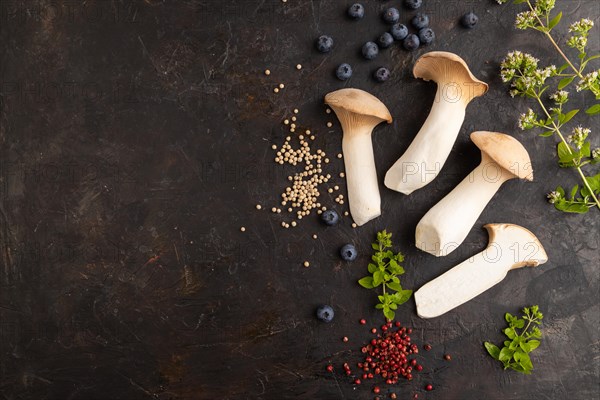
x=399 y=31
x=348 y=252
x=356 y=11
x=370 y=50
x=391 y=15
x=330 y=217
x=413 y=4
x=411 y=42
x=325 y=313
x=324 y=44
x=469 y=20
x=382 y=74
x=426 y=36
x=420 y=21
x=343 y=72
x=385 y=40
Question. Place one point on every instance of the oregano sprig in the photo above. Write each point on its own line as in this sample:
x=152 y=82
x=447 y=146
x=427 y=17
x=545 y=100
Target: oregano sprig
x=515 y=353
x=540 y=18
x=384 y=271
x=529 y=80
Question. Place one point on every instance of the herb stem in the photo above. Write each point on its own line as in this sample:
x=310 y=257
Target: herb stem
x=549 y=36
x=527 y=327
x=562 y=138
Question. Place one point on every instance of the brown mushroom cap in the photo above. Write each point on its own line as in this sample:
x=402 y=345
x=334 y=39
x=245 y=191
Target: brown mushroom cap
x=358 y=102
x=506 y=151
x=511 y=233
x=443 y=67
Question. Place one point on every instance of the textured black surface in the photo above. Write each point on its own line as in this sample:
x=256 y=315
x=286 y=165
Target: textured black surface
x=135 y=142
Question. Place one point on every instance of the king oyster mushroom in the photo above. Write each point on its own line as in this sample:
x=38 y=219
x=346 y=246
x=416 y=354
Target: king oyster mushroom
x=426 y=155
x=359 y=113
x=446 y=224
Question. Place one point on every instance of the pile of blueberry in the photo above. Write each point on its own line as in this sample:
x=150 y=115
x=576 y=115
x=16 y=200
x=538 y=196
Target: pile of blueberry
x=424 y=36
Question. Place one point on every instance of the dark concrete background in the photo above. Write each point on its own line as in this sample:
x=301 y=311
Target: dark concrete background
x=135 y=141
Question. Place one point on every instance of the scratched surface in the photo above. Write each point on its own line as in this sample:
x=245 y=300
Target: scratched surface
x=135 y=142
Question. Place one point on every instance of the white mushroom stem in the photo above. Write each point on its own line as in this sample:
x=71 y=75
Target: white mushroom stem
x=424 y=158
x=361 y=176
x=446 y=225
x=427 y=154
x=510 y=247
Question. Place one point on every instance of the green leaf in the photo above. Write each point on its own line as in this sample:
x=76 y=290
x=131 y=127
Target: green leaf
x=375 y=246
x=576 y=208
x=546 y=134
x=565 y=82
x=593 y=57
x=514 y=344
x=568 y=116
x=532 y=345
x=394 y=286
x=492 y=349
x=505 y=354
x=366 y=282
x=586 y=151
x=555 y=20
x=562 y=68
x=518 y=368
x=509 y=317
x=563 y=150
x=377 y=278
x=574 y=191
x=524 y=360
x=510 y=333
x=402 y=296
x=372 y=268
x=593 y=110
x=519 y=323
x=389 y=314
x=566 y=157
x=395 y=268
x=586 y=61
x=594 y=183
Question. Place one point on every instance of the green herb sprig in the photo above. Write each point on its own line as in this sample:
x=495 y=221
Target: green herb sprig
x=540 y=18
x=515 y=353
x=384 y=271
x=529 y=80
